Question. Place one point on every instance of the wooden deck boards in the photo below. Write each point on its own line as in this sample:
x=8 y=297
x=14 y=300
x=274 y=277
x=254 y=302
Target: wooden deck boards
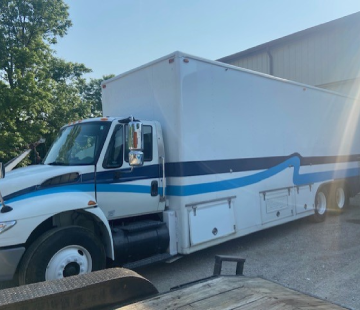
x=239 y=293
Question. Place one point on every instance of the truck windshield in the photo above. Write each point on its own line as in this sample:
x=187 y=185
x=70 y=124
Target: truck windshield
x=78 y=144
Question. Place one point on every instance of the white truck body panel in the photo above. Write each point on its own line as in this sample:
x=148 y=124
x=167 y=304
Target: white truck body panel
x=266 y=143
x=32 y=207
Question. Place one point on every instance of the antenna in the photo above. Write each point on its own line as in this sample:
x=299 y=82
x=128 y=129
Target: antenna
x=4 y=208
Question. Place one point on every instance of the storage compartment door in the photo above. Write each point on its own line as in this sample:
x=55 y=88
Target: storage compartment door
x=211 y=220
x=277 y=204
x=304 y=198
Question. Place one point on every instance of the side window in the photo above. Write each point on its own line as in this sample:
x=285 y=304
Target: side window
x=114 y=153
x=148 y=144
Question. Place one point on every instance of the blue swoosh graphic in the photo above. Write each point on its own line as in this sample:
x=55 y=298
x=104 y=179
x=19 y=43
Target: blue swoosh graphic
x=54 y=190
x=188 y=190
x=298 y=179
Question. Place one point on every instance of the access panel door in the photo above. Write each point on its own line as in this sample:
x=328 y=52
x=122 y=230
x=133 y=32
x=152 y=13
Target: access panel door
x=211 y=220
x=277 y=204
x=304 y=198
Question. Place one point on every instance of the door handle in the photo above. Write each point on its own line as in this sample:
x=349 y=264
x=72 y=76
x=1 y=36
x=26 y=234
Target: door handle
x=154 y=188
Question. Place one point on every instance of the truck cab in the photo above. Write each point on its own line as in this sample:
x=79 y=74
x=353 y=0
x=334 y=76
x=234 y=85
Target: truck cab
x=93 y=183
x=100 y=151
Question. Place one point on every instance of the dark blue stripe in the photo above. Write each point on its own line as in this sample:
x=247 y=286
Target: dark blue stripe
x=59 y=189
x=270 y=165
x=298 y=179
x=196 y=168
x=20 y=192
x=126 y=175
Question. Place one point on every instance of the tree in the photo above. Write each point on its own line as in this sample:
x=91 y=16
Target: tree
x=91 y=93
x=38 y=92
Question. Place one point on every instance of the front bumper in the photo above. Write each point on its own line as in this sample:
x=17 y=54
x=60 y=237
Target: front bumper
x=9 y=260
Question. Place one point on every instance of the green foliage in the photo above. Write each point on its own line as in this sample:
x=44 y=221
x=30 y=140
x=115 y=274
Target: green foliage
x=92 y=94
x=38 y=92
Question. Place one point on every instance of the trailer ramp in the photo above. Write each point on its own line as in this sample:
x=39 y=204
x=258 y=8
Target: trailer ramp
x=96 y=290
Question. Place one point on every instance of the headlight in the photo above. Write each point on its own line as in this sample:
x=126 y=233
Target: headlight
x=6 y=225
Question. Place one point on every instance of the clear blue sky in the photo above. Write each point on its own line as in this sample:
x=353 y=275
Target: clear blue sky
x=113 y=36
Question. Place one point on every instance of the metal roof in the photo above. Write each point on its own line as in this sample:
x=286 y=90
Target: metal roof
x=340 y=22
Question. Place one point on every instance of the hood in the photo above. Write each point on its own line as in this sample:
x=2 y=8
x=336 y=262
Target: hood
x=23 y=180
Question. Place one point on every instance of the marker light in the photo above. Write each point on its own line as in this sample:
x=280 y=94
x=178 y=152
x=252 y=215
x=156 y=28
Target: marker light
x=4 y=226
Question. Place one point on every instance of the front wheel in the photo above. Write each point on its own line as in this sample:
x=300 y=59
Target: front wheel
x=321 y=206
x=60 y=253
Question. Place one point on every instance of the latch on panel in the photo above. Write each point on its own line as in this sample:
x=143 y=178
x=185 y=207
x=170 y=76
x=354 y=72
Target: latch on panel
x=194 y=209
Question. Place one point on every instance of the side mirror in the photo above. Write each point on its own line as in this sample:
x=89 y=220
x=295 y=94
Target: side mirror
x=136 y=158
x=2 y=171
x=135 y=144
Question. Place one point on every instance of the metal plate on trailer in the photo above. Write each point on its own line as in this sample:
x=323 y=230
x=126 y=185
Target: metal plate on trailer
x=234 y=292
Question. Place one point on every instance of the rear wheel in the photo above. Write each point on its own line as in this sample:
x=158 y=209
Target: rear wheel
x=61 y=253
x=340 y=198
x=321 y=206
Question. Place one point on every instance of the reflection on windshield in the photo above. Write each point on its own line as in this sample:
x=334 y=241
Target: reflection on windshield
x=79 y=144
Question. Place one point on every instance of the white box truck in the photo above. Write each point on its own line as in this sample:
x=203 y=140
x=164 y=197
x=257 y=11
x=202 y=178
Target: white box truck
x=210 y=153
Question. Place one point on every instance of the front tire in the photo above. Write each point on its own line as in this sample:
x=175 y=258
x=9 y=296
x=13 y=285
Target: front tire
x=60 y=253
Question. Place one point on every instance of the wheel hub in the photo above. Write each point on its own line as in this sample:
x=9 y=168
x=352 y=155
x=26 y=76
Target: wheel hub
x=69 y=261
x=71 y=269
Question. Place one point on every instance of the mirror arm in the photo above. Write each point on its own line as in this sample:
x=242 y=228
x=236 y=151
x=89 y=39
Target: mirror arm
x=125 y=171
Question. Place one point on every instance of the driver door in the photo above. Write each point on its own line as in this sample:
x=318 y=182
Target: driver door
x=121 y=191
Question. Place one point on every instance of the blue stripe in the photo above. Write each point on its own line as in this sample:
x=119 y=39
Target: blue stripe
x=196 y=168
x=298 y=179
x=55 y=190
x=104 y=188
x=108 y=184
x=123 y=188
x=126 y=175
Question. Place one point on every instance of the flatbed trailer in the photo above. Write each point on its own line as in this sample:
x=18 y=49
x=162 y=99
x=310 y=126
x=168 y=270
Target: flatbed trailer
x=120 y=288
x=233 y=292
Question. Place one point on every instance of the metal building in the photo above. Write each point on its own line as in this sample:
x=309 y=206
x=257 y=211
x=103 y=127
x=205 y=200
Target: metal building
x=327 y=56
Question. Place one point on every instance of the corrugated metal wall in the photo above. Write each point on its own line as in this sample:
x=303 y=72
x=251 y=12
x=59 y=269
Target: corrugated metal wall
x=328 y=57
